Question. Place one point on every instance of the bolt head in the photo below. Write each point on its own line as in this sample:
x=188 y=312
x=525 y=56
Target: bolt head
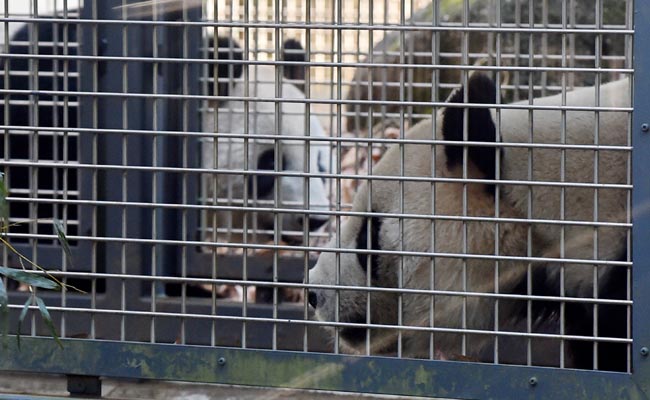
x=532 y=381
x=645 y=351
x=221 y=361
x=645 y=127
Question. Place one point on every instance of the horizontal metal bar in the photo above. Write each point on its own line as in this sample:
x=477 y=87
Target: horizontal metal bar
x=428 y=329
x=328 y=64
x=472 y=27
x=324 y=249
x=186 y=170
x=278 y=210
x=321 y=139
x=281 y=100
x=369 y=289
x=379 y=375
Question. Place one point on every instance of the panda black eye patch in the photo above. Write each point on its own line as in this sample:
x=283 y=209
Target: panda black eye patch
x=362 y=244
x=265 y=183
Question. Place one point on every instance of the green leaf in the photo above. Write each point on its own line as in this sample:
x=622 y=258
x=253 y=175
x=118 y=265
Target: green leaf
x=4 y=313
x=48 y=320
x=21 y=318
x=60 y=231
x=29 y=278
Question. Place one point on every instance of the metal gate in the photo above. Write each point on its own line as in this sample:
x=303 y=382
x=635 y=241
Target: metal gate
x=201 y=155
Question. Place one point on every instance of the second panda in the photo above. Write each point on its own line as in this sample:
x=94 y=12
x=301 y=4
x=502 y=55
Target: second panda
x=247 y=119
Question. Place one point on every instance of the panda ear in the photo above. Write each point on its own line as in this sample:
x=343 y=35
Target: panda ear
x=292 y=50
x=227 y=49
x=480 y=127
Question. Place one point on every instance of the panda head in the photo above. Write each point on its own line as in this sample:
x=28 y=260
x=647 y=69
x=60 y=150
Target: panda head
x=357 y=269
x=263 y=155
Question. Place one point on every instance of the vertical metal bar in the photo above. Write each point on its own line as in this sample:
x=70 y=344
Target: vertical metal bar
x=529 y=177
x=5 y=121
x=369 y=167
x=95 y=159
x=184 y=124
x=563 y=128
x=497 y=177
x=545 y=25
x=156 y=176
x=435 y=79
x=464 y=79
x=598 y=20
x=400 y=271
x=516 y=79
x=338 y=126
x=34 y=102
x=630 y=62
x=125 y=160
x=277 y=144
x=307 y=157
x=247 y=166
x=215 y=165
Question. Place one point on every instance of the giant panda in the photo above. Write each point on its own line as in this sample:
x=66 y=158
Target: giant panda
x=226 y=116
x=230 y=119
x=446 y=254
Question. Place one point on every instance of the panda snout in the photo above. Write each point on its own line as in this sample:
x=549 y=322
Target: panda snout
x=315 y=221
x=312 y=299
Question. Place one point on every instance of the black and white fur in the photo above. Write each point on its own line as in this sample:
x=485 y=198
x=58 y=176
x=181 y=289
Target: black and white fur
x=266 y=154
x=261 y=84
x=448 y=236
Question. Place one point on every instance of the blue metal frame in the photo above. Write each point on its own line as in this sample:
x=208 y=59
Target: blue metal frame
x=379 y=374
x=317 y=371
x=640 y=197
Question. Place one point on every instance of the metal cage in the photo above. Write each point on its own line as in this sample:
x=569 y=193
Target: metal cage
x=202 y=155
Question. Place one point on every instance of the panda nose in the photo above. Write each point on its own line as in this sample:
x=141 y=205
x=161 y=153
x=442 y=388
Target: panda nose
x=312 y=299
x=315 y=222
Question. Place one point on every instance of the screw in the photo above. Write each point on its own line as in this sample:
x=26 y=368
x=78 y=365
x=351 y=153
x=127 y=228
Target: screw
x=645 y=351
x=532 y=381
x=222 y=361
x=645 y=127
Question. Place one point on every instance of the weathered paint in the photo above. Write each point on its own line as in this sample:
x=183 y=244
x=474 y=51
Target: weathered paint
x=313 y=371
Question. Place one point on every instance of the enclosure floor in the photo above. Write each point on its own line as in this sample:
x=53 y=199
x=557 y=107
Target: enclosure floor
x=15 y=386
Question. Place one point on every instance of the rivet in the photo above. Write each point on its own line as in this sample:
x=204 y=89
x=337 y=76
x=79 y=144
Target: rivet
x=532 y=381
x=645 y=127
x=222 y=361
x=645 y=351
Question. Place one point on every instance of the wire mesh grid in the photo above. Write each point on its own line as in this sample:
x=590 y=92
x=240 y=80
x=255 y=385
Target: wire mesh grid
x=201 y=155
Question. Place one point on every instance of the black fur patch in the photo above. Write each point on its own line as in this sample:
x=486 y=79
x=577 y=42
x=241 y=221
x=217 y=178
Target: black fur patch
x=480 y=89
x=579 y=317
x=354 y=335
x=265 y=183
x=292 y=51
x=227 y=49
x=362 y=243
x=612 y=319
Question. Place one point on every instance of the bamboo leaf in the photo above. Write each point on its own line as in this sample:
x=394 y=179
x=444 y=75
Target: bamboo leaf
x=29 y=278
x=48 y=320
x=22 y=258
x=21 y=318
x=60 y=231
